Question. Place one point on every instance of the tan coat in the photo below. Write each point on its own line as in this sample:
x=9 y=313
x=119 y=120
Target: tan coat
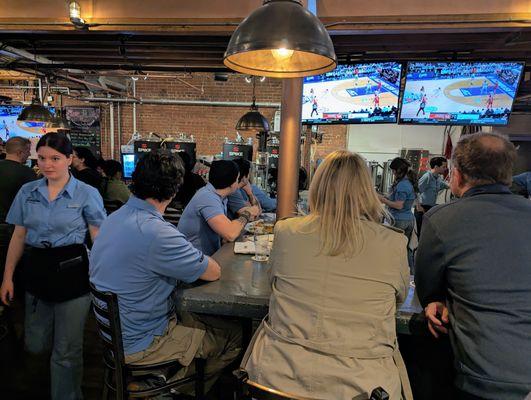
x=331 y=330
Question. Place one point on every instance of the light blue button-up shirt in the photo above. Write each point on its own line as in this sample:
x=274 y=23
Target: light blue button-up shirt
x=205 y=204
x=141 y=257
x=403 y=191
x=429 y=187
x=61 y=222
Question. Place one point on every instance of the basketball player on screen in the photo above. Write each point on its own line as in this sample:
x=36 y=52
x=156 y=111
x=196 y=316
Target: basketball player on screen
x=484 y=87
x=314 y=107
x=422 y=105
x=376 y=101
x=490 y=102
x=379 y=87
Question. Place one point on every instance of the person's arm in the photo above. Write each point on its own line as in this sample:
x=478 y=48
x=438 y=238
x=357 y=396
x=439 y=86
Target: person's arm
x=93 y=230
x=403 y=265
x=14 y=253
x=236 y=203
x=424 y=182
x=252 y=198
x=266 y=202
x=430 y=265
x=213 y=271
x=227 y=229
x=93 y=212
x=398 y=204
x=430 y=283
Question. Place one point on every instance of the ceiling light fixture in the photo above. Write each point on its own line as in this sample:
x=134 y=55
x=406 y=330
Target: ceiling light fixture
x=281 y=39
x=253 y=120
x=35 y=112
x=75 y=15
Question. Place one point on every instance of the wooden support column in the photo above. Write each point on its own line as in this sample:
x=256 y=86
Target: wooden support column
x=290 y=137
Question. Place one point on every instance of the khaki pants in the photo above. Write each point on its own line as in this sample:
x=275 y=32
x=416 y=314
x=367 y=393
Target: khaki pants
x=220 y=345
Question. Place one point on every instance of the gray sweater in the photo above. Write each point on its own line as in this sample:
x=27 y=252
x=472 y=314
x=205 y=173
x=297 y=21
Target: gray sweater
x=475 y=254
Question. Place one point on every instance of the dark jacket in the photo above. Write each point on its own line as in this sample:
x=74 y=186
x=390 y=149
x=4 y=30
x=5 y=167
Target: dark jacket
x=475 y=254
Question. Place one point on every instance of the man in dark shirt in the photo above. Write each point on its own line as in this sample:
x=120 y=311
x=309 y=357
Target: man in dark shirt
x=13 y=174
x=473 y=272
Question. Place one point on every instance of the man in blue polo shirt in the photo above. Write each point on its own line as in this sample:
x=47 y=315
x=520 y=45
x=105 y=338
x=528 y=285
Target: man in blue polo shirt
x=204 y=221
x=141 y=258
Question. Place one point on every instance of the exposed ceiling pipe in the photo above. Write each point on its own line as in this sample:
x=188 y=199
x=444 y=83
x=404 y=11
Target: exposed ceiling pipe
x=45 y=61
x=87 y=83
x=178 y=102
x=27 y=55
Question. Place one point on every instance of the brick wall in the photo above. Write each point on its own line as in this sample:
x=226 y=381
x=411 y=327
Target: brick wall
x=209 y=124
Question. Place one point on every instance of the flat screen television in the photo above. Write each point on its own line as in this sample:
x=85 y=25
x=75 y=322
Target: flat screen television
x=10 y=127
x=460 y=93
x=128 y=162
x=353 y=94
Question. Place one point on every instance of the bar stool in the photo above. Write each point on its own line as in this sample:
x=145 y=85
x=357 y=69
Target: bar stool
x=127 y=380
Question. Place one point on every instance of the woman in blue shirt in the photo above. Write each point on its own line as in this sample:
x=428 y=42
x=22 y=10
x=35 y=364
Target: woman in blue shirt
x=400 y=201
x=52 y=216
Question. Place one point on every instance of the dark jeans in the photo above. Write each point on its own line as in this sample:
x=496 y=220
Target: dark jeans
x=407 y=227
x=418 y=217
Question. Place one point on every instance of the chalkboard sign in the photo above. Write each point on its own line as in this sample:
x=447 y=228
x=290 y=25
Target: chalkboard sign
x=85 y=127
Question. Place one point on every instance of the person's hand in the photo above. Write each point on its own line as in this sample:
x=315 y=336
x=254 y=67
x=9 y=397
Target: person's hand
x=420 y=208
x=437 y=315
x=382 y=198
x=7 y=291
x=248 y=189
x=253 y=211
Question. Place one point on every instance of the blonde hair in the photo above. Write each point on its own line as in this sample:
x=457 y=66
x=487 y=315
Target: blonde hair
x=341 y=195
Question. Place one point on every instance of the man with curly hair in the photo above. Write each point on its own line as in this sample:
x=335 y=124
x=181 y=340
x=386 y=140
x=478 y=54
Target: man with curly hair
x=141 y=258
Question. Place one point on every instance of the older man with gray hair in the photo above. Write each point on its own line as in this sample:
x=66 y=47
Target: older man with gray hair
x=473 y=272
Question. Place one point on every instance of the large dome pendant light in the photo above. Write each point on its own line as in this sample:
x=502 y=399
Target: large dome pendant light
x=281 y=39
x=253 y=120
x=35 y=112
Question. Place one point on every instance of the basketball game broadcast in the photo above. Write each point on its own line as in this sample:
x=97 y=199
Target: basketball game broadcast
x=460 y=93
x=354 y=93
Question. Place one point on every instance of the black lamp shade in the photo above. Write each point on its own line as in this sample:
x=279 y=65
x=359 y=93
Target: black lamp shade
x=253 y=120
x=281 y=39
x=36 y=112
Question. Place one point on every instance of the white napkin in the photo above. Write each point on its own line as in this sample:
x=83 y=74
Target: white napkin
x=244 y=248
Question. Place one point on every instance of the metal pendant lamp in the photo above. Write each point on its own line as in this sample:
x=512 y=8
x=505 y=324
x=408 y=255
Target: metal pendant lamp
x=36 y=112
x=281 y=39
x=253 y=120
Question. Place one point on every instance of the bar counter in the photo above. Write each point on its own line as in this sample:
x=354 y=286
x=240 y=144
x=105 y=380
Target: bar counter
x=243 y=291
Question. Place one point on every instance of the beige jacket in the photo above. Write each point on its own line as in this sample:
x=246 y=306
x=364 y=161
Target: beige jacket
x=331 y=330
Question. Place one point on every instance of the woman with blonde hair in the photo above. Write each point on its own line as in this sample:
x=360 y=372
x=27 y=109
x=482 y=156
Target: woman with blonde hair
x=337 y=276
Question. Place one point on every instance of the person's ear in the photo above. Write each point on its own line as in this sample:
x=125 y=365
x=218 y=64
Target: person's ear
x=69 y=160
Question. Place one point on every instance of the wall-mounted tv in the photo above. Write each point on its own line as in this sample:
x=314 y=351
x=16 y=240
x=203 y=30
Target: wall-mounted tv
x=10 y=127
x=460 y=93
x=353 y=94
x=128 y=163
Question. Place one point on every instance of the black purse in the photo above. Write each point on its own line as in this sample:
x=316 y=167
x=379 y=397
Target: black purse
x=56 y=274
